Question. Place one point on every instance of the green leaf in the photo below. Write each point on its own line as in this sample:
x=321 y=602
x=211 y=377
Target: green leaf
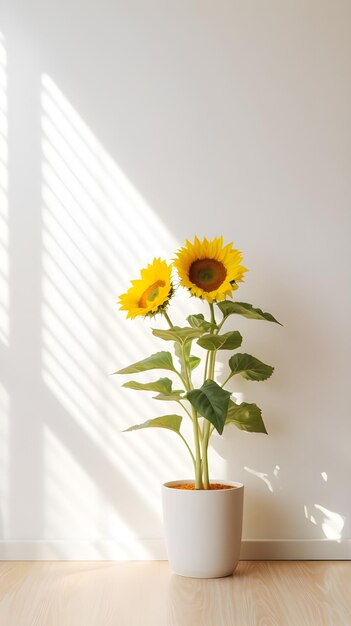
x=174 y=395
x=198 y=321
x=163 y=385
x=228 y=341
x=228 y=307
x=211 y=401
x=171 y=422
x=194 y=361
x=159 y=360
x=181 y=335
x=249 y=367
x=246 y=417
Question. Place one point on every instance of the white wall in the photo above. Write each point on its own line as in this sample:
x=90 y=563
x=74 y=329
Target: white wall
x=127 y=127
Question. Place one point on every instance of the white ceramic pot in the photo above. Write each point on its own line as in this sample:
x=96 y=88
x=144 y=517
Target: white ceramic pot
x=203 y=529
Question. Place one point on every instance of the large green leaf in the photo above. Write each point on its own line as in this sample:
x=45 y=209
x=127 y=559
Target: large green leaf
x=249 y=367
x=163 y=385
x=182 y=335
x=198 y=321
x=228 y=307
x=171 y=422
x=211 y=401
x=228 y=341
x=246 y=417
x=159 y=360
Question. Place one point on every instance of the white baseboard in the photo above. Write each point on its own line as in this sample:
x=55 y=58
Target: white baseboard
x=154 y=550
x=296 y=550
x=62 y=550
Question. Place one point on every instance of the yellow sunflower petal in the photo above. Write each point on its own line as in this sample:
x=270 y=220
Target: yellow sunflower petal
x=150 y=293
x=208 y=269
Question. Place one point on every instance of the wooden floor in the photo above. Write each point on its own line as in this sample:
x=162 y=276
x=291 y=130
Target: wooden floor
x=104 y=593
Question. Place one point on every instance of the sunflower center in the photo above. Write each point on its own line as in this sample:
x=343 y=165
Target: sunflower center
x=150 y=293
x=208 y=274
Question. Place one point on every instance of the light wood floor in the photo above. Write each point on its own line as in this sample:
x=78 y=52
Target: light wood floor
x=261 y=593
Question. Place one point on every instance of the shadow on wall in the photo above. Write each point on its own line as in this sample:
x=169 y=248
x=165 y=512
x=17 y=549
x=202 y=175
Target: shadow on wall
x=85 y=478
x=97 y=232
x=90 y=247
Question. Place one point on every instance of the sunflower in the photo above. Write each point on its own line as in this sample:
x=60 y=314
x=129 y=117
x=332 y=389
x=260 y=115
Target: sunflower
x=208 y=269
x=149 y=294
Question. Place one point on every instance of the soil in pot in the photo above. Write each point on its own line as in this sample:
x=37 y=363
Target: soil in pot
x=191 y=486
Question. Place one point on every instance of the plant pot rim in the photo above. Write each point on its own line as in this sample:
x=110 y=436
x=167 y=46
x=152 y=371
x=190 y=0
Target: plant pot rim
x=233 y=484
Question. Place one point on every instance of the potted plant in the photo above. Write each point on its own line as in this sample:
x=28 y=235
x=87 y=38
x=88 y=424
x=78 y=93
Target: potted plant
x=202 y=517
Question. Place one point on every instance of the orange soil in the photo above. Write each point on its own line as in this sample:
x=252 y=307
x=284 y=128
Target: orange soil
x=191 y=486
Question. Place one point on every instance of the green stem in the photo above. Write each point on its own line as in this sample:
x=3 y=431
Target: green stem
x=198 y=463
x=220 y=325
x=205 y=440
x=189 y=449
x=206 y=366
x=206 y=432
x=181 y=377
x=165 y=314
x=212 y=363
x=213 y=317
x=206 y=437
x=185 y=409
x=198 y=472
x=228 y=378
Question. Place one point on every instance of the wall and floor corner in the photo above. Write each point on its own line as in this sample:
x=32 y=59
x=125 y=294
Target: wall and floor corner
x=124 y=129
